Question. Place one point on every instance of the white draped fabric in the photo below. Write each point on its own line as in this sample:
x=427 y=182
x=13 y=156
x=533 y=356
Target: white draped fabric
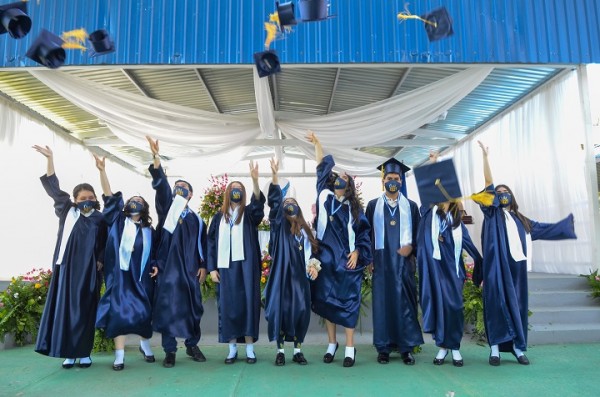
x=190 y=132
x=536 y=149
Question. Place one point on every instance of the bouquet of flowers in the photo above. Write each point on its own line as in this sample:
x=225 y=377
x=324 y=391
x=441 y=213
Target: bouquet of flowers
x=212 y=200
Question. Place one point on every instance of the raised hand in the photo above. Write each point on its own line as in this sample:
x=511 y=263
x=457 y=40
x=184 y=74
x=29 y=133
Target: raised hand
x=100 y=162
x=312 y=138
x=274 y=165
x=254 y=170
x=44 y=150
x=433 y=156
x=153 y=145
x=484 y=148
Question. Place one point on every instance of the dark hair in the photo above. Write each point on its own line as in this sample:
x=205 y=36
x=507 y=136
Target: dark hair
x=144 y=213
x=187 y=183
x=514 y=207
x=454 y=210
x=349 y=195
x=85 y=186
x=298 y=222
x=227 y=202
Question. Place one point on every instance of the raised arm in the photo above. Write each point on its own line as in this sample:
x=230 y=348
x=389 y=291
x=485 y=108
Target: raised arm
x=163 y=196
x=312 y=138
x=101 y=165
x=487 y=172
x=46 y=152
x=154 y=149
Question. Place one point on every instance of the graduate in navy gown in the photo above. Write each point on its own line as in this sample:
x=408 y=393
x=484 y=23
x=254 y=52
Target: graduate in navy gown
x=506 y=247
x=344 y=251
x=394 y=220
x=180 y=254
x=67 y=324
x=287 y=294
x=234 y=264
x=126 y=306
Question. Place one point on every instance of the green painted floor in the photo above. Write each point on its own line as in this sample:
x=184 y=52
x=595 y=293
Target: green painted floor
x=555 y=370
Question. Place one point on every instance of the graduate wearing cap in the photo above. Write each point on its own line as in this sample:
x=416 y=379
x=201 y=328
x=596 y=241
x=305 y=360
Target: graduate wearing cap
x=180 y=259
x=441 y=239
x=67 y=324
x=287 y=293
x=343 y=233
x=126 y=306
x=506 y=239
x=234 y=260
x=394 y=220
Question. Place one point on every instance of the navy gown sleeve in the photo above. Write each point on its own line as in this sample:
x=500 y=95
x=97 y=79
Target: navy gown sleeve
x=561 y=230
x=113 y=205
x=163 y=196
x=473 y=252
x=62 y=200
x=362 y=240
x=204 y=244
x=324 y=169
x=212 y=246
x=256 y=209
x=415 y=216
x=274 y=201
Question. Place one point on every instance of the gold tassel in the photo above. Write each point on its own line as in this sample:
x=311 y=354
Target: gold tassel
x=271 y=29
x=484 y=198
x=404 y=15
x=74 y=39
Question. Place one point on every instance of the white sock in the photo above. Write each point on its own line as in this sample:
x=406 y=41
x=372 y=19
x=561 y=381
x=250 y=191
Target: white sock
x=280 y=351
x=495 y=351
x=518 y=352
x=442 y=353
x=145 y=345
x=456 y=355
x=85 y=360
x=69 y=361
x=250 y=350
x=349 y=352
x=296 y=350
x=331 y=348
x=232 y=350
x=119 y=356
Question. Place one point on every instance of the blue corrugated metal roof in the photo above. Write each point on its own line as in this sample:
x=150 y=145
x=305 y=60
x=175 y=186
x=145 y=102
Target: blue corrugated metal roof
x=361 y=31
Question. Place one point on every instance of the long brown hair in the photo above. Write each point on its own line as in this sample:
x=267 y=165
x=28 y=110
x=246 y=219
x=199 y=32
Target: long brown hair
x=144 y=213
x=297 y=223
x=350 y=193
x=227 y=202
x=454 y=210
x=514 y=207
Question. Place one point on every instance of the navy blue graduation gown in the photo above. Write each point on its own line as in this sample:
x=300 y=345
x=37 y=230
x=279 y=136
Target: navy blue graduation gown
x=505 y=292
x=336 y=293
x=238 y=293
x=67 y=324
x=177 y=308
x=126 y=306
x=440 y=287
x=287 y=294
x=395 y=310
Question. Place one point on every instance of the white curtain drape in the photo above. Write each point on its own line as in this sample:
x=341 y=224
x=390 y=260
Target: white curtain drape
x=536 y=149
x=192 y=132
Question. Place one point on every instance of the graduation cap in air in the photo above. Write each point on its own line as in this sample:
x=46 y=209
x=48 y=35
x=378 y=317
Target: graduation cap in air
x=438 y=24
x=437 y=183
x=393 y=166
x=14 y=19
x=101 y=42
x=313 y=10
x=267 y=63
x=286 y=14
x=47 y=50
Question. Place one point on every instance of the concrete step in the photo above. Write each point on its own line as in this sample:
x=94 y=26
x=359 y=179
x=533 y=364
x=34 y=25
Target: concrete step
x=565 y=315
x=564 y=333
x=561 y=299
x=556 y=282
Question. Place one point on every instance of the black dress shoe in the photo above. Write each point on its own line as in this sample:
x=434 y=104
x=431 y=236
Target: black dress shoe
x=148 y=359
x=68 y=366
x=251 y=360
x=299 y=358
x=458 y=363
x=231 y=360
x=328 y=357
x=280 y=359
x=440 y=361
x=494 y=361
x=522 y=359
x=119 y=367
x=408 y=358
x=84 y=365
x=195 y=353
x=383 y=358
x=349 y=361
x=169 y=361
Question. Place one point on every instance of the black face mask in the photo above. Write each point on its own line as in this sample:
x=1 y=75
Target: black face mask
x=236 y=195
x=86 y=206
x=340 y=183
x=180 y=191
x=135 y=207
x=291 y=209
x=392 y=186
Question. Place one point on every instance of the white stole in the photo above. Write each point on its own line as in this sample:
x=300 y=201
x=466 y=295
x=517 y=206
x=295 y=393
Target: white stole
x=307 y=247
x=231 y=240
x=456 y=236
x=405 y=222
x=322 y=219
x=71 y=218
x=172 y=218
x=127 y=243
x=514 y=240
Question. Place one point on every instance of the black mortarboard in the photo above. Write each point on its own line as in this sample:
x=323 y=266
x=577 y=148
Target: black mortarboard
x=47 y=50
x=438 y=24
x=14 y=19
x=267 y=63
x=437 y=183
x=101 y=42
x=286 y=14
x=392 y=166
x=313 y=10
